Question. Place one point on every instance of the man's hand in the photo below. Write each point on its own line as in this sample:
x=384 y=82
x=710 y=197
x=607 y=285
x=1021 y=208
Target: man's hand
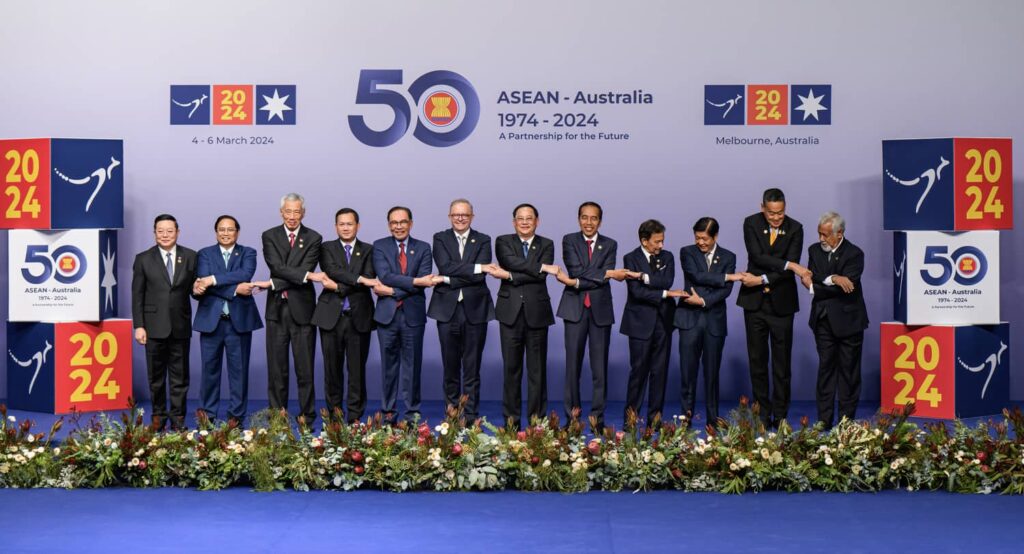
x=806 y=282
x=634 y=275
x=495 y=271
x=383 y=290
x=245 y=289
x=678 y=293
x=799 y=270
x=198 y=288
x=733 y=277
x=259 y=286
x=843 y=282
x=329 y=283
x=437 y=280
x=140 y=335
x=317 y=276
x=751 y=280
x=564 y=278
x=694 y=299
x=617 y=274
x=426 y=281
x=367 y=281
x=550 y=269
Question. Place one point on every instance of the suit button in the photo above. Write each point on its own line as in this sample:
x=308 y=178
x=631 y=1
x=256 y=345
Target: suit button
x=767 y=290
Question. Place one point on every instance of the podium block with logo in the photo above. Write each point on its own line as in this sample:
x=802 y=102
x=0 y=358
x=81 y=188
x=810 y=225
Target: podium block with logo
x=946 y=278
x=64 y=367
x=62 y=184
x=948 y=184
x=62 y=275
x=947 y=371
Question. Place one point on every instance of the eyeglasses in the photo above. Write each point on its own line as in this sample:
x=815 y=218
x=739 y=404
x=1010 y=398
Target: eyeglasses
x=460 y=216
x=226 y=230
x=402 y=223
x=525 y=219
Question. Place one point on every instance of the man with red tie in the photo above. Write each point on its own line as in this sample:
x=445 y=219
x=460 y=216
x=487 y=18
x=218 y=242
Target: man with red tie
x=403 y=267
x=291 y=252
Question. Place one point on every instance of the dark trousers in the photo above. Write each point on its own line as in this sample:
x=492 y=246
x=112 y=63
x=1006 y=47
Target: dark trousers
x=401 y=356
x=648 y=369
x=167 y=363
x=516 y=340
x=764 y=326
x=462 y=346
x=344 y=344
x=838 y=371
x=576 y=335
x=302 y=338
x=223 y=342
x=697 y=346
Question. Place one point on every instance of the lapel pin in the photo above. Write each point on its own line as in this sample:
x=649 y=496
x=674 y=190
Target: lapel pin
x=598 y=246
x=472 y=240
x=357 y=254
x=411 y=252
x=300 y=245
x=179 y=259
x=765 y=231
x=533 y=248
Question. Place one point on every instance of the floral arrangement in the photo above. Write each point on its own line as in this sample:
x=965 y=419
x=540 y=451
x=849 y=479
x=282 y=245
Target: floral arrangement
x=736 y=455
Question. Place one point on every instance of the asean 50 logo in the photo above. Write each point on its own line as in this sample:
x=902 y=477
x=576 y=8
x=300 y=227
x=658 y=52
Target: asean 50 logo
x=447 y=108
x=66 y=264
x=967 y=265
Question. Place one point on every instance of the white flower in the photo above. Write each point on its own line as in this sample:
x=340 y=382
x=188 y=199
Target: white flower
x=204 y=433
x=828 y=460
x=134 y=462
x=11 y=418
x=56 y=451
x=759 y=440
x=191 y=435
x=30 y=454
x=734 y=467
x=107 y=442
x=30 y=438
x=140 y=452
x=893 y=465
x=5 y=467
x=547 y=463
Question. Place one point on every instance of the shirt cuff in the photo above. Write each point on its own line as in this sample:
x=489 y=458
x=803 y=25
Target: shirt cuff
x=305 y=278
x=703 y=303
x=647 y=279
x=785 y=266
x=764 y=278
x=811 y=289
x=576 y=285
x=828 y=281
x=477 y=269
x=664 y=294
x=447 y=280
x=214 y=277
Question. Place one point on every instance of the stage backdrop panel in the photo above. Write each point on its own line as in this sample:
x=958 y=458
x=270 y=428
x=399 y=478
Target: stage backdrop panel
x=659 y=109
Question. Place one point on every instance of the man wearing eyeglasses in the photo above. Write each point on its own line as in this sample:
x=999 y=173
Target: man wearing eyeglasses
x=225 y=318
x=462 y=305
x=291 y=251
x=525 y=259
x=403 y=267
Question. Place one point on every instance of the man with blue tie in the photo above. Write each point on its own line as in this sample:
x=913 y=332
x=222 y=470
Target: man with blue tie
x=403 y=267
x=709 y=272
x=226 y=317
x=462 y=305
x=523 y=309
x=586 y=307
x=344 y=314
x=647 y=318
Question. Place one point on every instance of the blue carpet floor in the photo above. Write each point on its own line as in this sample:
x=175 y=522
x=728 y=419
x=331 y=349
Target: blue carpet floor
x=237 y=520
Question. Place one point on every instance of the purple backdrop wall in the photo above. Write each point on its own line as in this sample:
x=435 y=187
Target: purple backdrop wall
x=909 y=69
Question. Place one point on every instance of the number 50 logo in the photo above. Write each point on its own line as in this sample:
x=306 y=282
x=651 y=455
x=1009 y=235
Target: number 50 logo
x=66 y=264
x=966 y=265
x=447 y=106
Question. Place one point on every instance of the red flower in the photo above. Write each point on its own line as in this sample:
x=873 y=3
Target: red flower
x=457 y=449
x=594 y=448
x=359 y=470
x=985 y=468
x=521 y=435
x=421 y=441
x=534 y=460
x=142 y=464
x=981 y=456
x=357 y=457
x=677 y=474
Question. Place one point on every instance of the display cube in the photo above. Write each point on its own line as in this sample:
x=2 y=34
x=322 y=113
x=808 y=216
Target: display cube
x=947 y=371
x=946 y=278
x=948 y=184
x=62 y=275
x=62 y=184
x=73 y=366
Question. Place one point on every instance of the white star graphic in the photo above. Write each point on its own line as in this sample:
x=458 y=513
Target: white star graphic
x=275 y=105
x=809 y=104
x=109 y=279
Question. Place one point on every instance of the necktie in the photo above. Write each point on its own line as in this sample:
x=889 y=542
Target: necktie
x=650 y=260
x=170 y=268
x=708 y=257
x=348 y=259
x=590 y=256
x=291 y=240
x=403 y=264
x=462 y=252
x=526 y=249
x=227 y=257
x=773 y=234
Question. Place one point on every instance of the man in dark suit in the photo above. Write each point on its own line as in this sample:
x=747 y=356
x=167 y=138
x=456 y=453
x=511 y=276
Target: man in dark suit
x=162 y=279
x=344 y=314
x=291 y=252
x=769 y=301
x=523 y=309
x=838 y=317
x=462 y=305
x=403 y=267
x=647 y=318
x=709 y=271
x=586 y=307
x=225 y=318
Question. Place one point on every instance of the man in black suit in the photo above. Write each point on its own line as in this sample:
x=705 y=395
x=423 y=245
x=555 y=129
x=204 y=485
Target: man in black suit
x=647 y=318
x=344 y=314
x=838 y=317
x=291 y=252
x=462 y=305
x=524 y=312
x=769 y=301
x=162 y=280
x=709 y=270
x=586 y=307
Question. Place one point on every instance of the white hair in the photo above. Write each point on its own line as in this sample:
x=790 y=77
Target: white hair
x=837 y=221
x=293 y=197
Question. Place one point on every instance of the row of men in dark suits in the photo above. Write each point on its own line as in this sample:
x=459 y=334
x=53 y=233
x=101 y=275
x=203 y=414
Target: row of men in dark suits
x=398 y=270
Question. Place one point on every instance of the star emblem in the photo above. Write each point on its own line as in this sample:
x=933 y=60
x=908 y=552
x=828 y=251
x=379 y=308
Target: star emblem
x=276 y=106
x=109 y=280
x=810 y=105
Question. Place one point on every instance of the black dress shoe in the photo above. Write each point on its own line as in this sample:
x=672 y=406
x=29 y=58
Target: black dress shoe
x=178 y=424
